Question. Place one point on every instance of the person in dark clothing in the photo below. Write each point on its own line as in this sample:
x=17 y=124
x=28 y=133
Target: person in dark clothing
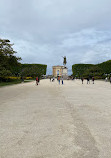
x=22 y=79
x=38 y=79
x=72 y=78
x=110 y=79
x=88 y=80
x=93 y=79
x=62 y=81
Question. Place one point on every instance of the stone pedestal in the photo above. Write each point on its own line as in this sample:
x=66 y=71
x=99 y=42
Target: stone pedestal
x=65 y=73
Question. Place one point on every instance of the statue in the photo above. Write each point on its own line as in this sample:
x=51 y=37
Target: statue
x=64 y=61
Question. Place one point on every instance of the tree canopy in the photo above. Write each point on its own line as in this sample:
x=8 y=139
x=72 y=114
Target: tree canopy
x=8 y=61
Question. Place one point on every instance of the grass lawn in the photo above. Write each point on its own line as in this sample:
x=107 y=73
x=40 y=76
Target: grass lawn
x=12 y=82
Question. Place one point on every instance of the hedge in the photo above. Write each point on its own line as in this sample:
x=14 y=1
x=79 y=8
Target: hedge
x=79 y=69
x=33 y=70
x=101 y=69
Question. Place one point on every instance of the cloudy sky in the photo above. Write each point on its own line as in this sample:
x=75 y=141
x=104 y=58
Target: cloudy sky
x=45 y=30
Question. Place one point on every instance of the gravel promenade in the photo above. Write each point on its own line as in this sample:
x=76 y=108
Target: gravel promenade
x=55 y=121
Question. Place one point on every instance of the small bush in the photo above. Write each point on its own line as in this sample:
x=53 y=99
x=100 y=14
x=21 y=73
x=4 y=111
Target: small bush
x=28 y=78
x=9 y=79
x=13 y=78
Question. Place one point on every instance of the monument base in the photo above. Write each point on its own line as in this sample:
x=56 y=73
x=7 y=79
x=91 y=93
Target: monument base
x=64 y=73
x=65 y=77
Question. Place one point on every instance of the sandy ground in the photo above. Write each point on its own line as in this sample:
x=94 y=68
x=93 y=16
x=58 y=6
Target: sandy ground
x=55 y=121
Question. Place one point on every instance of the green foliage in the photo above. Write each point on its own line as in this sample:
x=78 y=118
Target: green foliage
x=89 y=70
x=4 y=72
x=10 y=65
x=79 y=69
x=33 y=70
x=8 y=61
x=105 y=66
x=93 y=71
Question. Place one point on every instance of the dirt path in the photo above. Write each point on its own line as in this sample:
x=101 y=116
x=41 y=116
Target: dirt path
x=55 y=121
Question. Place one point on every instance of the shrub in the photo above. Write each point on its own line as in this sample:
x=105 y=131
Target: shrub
x=28 y=78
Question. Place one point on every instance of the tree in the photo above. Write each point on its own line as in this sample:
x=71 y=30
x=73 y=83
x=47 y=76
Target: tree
x=8 y=61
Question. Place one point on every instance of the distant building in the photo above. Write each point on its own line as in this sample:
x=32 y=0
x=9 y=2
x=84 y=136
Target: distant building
x=60 y=71
x=57 y=70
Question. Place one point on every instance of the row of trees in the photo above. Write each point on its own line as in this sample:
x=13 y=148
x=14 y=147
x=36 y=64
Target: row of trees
x=10 y=64
x=99 y=71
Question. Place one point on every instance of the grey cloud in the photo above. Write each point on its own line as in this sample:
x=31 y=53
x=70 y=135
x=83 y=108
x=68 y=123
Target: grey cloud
x=44 y=30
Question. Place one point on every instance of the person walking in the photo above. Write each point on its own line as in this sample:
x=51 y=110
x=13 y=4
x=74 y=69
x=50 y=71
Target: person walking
x=37 y=80
x=106 y=79
x=62 y=81
x=88 y=80
x=22 y=79
x=53 y=79
x=59 y=79
x=110 y=79
x=93 y=79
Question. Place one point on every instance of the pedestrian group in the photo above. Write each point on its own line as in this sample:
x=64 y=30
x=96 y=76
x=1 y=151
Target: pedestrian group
x=60 y=80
